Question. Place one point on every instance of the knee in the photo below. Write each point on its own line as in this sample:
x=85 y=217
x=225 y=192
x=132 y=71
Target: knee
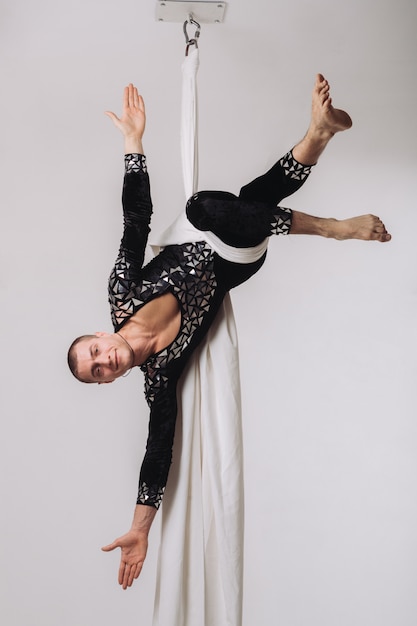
x=196 y=212
x=205 y=208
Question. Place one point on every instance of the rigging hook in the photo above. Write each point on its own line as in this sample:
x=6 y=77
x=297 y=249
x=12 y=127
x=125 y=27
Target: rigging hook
x=194 y=40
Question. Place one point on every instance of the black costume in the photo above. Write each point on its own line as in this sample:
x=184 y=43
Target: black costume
x=198 y=277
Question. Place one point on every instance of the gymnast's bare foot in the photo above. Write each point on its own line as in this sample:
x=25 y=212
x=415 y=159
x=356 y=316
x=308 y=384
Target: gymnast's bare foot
x=366 y=227
x=326 y=121
x=324 y=117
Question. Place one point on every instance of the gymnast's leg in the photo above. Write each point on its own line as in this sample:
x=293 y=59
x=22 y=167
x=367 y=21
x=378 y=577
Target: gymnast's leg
x=246 y=221
x=292 y=170
x=326 y=121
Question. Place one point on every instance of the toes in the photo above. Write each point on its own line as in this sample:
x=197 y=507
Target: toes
x=326 y=101
x=384 y=237
x=321 y=82
x=324 y=92
x=380 y=231
x=379 y=226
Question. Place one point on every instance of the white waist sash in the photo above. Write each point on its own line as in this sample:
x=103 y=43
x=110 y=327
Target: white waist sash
x=182 y=231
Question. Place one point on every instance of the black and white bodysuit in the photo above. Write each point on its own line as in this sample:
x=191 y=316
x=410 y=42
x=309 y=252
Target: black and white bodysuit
x=196 y=275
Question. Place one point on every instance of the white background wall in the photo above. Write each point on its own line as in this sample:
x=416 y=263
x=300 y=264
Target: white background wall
x=327 y=329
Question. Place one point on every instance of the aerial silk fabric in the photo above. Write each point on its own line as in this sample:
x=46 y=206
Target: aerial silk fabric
x=200 y=563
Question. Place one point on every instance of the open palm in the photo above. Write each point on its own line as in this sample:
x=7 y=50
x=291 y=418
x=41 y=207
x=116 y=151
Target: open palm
x=133 y=118
x=134 y=546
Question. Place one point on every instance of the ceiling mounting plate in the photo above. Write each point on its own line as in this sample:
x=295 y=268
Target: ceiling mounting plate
x=202 y=12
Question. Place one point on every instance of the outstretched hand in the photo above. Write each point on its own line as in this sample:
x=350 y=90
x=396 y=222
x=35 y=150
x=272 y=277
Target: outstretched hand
x=134 y=545
x=133 y=118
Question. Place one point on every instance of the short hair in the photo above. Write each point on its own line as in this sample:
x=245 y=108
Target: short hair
x=73 y=359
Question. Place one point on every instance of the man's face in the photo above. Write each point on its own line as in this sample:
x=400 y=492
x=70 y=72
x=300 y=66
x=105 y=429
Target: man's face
x=103 y=358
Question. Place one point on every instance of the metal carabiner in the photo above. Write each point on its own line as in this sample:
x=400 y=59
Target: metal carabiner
x=194 y=40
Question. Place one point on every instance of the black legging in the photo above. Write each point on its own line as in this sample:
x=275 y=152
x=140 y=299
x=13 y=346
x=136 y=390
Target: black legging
x=245 y=221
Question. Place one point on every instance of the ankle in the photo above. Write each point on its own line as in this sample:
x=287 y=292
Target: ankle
x=309 y=150
x=320 y=132
x=331 y=228
x=304 y=224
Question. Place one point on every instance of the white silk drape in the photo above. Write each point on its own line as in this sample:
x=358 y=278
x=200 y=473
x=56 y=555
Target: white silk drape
x=200 y=565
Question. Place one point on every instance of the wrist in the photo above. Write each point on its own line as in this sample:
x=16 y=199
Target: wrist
x=133 y=144
x=143 y=518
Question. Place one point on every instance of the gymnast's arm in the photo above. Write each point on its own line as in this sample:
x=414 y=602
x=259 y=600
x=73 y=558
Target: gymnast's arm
x=152 y=481
x=132 y=125
x=137 y=205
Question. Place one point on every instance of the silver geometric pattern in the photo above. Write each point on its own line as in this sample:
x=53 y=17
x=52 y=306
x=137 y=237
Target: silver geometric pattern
x=146 y=493
x=192 y=281
x=122 y=292
x=293 y=168
x=135 y=163
x=282 y=223
x=195 y=298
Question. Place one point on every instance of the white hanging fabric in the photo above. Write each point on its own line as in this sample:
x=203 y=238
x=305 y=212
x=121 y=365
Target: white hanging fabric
x=181 y=230
x=189 y=122
x=200 y=565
